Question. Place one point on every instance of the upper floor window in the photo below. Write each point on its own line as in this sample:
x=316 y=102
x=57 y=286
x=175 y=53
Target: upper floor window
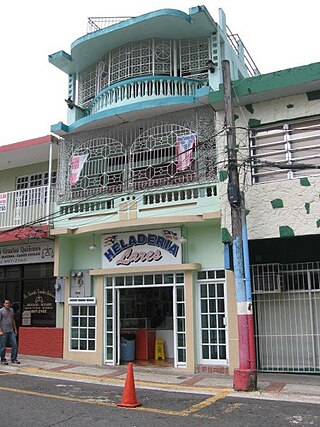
x=285 y=151
x=35 y=180
x=33 y=188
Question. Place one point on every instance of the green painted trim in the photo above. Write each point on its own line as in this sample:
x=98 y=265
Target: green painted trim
x=286 y=231
x=277 y=203
x=271 y=82
x=225 y=235
x=307 y=207
x=305 y=182
x=249 y=107
x=312 y=96
x=223 y=175
x=254 y=122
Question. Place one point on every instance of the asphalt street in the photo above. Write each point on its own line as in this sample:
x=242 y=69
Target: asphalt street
x=39 y=401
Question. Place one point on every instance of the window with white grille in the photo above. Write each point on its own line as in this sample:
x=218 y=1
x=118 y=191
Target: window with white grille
x=285 y=151
x=35 y=180
x=83 y=327
x=212 y=316
x=32 y=188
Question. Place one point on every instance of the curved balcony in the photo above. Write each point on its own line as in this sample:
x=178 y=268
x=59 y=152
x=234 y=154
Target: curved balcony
x=132 y=98
x=144 y=89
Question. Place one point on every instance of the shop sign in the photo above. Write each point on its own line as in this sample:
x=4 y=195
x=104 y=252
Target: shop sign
x=29 y=253
x=3 y=202
x=37 y=303
x=140 y=249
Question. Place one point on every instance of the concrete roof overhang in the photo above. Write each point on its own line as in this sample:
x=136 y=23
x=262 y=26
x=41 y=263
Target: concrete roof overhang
x=27 y=152
x=275 y=85
x=165 y=23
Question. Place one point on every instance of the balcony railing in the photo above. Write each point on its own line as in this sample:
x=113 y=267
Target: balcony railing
x=24 y=207
x=144 y=88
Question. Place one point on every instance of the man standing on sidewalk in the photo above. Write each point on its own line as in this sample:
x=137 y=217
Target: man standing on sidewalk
x=8 y=332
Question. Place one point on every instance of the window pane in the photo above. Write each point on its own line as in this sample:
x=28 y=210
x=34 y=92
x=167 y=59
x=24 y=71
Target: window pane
x=181 y=340
x=91 y=333
x=91 y=345
x=203 y=291
x=181 y=325
x=75 y=321
x=205 y=337
x=180 y=294
x=109 y=339
x=74 y=344
x=220 y=290
x=212 y=290
x=91 y=322
x=180 y=309
x=213 y=336
x=74 y=333
x=138 y=280
x=83 y=321
x=181 y=355
x=221 y=306
x=212 y=306
x=83 y=333
x=222 y=352
x=204 y=321
x=204 y=306
x=205 y=351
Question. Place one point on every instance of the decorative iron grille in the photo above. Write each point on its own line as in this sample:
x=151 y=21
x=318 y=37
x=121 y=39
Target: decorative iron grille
x=194 y=55
x=146 y=58
x=137 y=156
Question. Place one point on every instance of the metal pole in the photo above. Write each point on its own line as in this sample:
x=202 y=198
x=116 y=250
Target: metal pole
x=244 y=378
x=49 y=183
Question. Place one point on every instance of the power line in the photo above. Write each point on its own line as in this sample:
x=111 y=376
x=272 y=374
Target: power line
x=58 y=214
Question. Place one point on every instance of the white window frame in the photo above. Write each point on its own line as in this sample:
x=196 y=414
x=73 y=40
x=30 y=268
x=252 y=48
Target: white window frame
x=212 y=280
x=83 y=303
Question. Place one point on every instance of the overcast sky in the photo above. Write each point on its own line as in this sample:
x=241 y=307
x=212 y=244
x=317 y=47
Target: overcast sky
x=278 y=34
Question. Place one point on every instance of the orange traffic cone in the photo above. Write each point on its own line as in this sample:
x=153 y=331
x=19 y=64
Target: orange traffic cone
x=129 y=399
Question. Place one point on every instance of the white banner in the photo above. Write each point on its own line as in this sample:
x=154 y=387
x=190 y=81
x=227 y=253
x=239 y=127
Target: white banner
x=29 y=253
x=139 y=249
x=77 y=163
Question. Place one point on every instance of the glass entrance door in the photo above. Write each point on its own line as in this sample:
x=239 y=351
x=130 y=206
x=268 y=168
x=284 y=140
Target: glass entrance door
x=146 y=295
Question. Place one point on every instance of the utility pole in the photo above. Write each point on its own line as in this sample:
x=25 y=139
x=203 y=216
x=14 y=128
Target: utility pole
x=245 y=377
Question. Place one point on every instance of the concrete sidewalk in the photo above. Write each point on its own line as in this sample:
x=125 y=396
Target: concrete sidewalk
x=275 y=386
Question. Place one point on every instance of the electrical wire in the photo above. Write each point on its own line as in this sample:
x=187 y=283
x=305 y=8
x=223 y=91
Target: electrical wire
x=58 y=214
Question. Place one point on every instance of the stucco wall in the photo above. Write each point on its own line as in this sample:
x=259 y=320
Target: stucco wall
x=279 y=208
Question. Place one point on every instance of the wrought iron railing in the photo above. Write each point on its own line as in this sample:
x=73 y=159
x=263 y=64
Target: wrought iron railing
x=235 y=42
x=143 y=88
x=23 y=207
x=97 y=23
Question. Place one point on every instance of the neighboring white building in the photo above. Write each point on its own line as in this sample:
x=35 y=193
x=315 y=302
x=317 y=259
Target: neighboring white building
x=278 y=135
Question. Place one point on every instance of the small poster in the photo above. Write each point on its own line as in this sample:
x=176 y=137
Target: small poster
x=3 y=202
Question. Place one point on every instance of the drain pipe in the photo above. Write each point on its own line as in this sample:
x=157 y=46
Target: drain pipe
x=247 y=280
